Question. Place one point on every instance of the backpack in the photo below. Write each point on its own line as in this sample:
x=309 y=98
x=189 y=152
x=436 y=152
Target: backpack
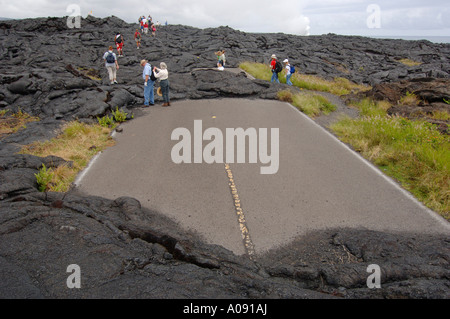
x=292 y=69
x=110 y=58
x=278 y=67
x=152 y=76
x=119 y=38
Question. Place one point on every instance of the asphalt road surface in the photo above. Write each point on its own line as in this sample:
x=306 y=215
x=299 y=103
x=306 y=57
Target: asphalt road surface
x=320 y=182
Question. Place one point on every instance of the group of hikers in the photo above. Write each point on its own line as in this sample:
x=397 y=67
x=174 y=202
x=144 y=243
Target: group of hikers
x=150 y=74
x=277 y=67
x=146 y=23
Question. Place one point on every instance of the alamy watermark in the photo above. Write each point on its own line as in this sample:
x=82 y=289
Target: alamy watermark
x=74 y=19
x=374 y=19
x=74 y=280
x=374 y=280
x=222 y=151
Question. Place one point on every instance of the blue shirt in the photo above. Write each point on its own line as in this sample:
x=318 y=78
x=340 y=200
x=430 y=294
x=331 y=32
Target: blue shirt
x=147 y=71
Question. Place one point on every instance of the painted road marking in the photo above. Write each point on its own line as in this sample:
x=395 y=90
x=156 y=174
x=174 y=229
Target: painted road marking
x=248 y=243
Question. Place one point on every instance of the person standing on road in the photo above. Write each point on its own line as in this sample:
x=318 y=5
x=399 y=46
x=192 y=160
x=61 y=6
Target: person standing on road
x=276 y=68
x=288 y=71
x=111 y=64
x=149 y=98
x=163 y=75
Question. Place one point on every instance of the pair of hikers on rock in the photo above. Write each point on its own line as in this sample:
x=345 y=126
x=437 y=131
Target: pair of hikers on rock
x=277 y=67
x=150 y=76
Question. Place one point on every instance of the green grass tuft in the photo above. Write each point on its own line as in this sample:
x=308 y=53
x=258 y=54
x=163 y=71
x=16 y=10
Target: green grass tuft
x=413 y=152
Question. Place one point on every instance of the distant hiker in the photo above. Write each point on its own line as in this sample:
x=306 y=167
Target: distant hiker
x=153 y=27
x=276 y=68
x=163 y=75
x=119 y=44
x=220 y=59
x=111 y=64
x=288 y=68
x=149 y=98
x=137 y=38
x=141 y=22
x=145 y=26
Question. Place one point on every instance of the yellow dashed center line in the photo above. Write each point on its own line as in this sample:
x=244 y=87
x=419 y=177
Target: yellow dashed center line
x=248 y=244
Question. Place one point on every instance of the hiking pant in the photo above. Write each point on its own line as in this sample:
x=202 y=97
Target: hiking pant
x=149 y=97
x=112 y=71
x=275 y=77
x=288 y=79
x=165 y=90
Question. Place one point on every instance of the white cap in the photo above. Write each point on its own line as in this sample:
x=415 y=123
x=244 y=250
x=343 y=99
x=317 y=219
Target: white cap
x=286 y=61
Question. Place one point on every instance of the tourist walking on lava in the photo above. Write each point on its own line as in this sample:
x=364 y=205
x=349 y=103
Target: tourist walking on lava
x=137 y=38
x=119 y=44
x=111 y=64
x=276 y=68
x=289 y=72
x=145 y=26
x=149 y=98
x=162 y=74
x=141 y=23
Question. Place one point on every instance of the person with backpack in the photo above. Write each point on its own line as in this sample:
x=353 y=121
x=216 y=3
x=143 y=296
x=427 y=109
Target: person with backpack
x=289 y=71
x=149 y=82
x=111 y=64
x=276 y=68
x=119 y=43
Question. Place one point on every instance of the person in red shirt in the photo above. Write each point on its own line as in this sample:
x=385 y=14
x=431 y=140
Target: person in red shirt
x=119 y=44
x=145 y=26
x=141 y=22
x=273 y=66
x=137 y=38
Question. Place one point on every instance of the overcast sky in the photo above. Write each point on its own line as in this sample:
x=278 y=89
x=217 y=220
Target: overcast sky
x=301 y=17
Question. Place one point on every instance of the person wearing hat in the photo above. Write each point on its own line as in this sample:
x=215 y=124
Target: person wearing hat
x=149 y=98
x=288 y=71
x=162 y=74
x=275 y=70
x=119 y=44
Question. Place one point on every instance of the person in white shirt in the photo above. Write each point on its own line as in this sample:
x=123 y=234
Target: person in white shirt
x=288 y=72
x=162 y=74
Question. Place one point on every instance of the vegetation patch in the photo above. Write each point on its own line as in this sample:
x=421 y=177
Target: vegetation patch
x=409 y=62
x=311 y=104
x=413 y=152
x=91 y=73
x=339 y=86
x=12 y=122
x=409 y=99
x=77 y=143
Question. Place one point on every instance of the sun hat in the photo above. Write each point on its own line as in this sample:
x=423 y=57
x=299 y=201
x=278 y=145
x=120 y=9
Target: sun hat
x=274 y=56
x=286 y=61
